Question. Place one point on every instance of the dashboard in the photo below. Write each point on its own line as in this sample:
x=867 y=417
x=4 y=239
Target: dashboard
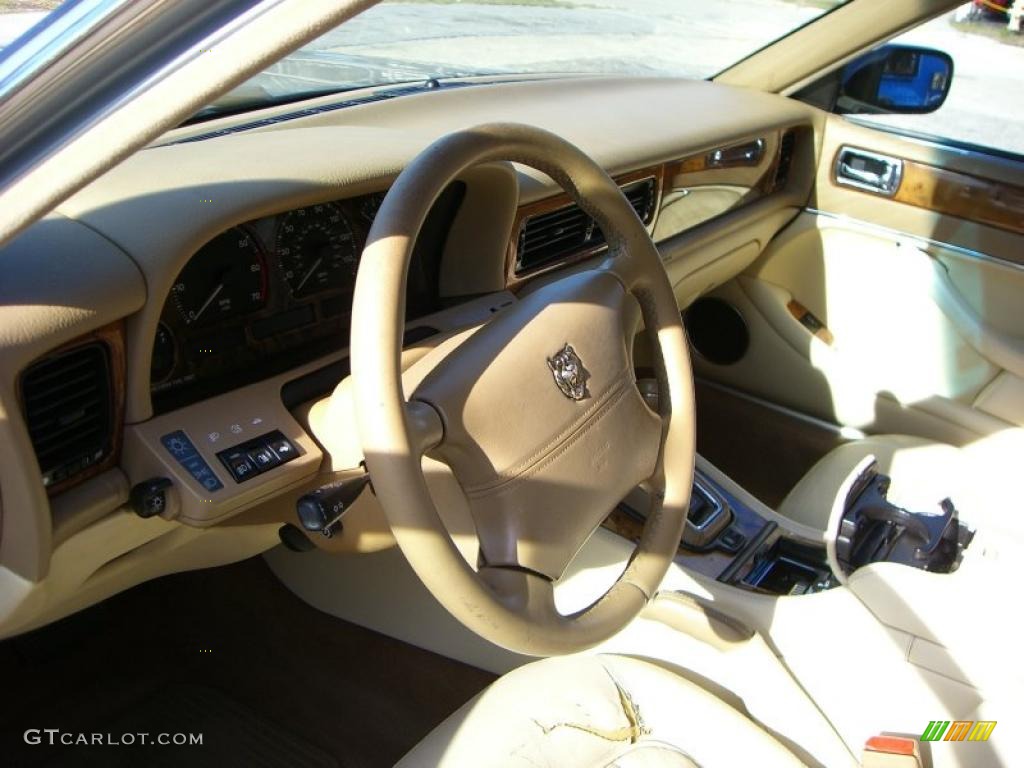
x=269 y=294
x=202 y=289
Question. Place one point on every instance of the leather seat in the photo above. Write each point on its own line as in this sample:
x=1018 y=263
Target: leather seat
x=981 y=478
x=597 y=711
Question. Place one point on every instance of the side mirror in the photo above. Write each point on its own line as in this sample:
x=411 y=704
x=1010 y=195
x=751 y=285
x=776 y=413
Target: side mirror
x=898 y=79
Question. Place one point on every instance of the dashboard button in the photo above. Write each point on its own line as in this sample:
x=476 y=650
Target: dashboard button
x=264 y=458
x=261 y=454
x=210 y=481
x=181 y=448
x=284 y=449
x=241 y=467
x=195 y=466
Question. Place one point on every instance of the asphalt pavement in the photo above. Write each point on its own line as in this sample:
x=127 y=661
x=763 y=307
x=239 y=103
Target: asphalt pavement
x=986 y=101
x=693 y=38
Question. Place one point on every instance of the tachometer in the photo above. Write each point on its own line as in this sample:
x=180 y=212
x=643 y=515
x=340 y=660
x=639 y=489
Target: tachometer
x=317 y=250
x=226 y=278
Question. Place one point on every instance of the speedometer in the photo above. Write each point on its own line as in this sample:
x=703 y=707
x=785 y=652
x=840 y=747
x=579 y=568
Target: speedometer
x=316 y=248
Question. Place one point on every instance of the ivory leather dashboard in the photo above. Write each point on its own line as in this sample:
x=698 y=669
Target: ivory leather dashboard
x=227 y=265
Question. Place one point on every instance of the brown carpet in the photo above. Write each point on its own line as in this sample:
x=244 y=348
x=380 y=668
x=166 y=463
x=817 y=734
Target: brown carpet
x=230 y=652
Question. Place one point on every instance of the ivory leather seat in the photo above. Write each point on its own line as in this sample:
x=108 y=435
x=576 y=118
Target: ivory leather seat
x=983 y=479
x=593 y=711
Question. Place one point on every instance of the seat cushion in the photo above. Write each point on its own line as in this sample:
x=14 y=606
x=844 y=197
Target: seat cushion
x=923 y=473
x=597 y=711
x=983 y=479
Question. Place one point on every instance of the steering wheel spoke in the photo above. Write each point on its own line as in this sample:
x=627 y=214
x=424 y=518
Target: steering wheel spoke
x=625 y=266
x=525 y=593
x=426 y=430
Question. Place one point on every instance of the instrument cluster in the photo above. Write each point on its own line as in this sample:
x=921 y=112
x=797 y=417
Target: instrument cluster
x=263 y=297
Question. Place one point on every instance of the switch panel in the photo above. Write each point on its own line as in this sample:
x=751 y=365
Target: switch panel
x=185 y=453
x=261 y=454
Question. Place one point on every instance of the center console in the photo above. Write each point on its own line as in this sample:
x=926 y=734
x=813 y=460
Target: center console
x=764 y=557
x=727 y=539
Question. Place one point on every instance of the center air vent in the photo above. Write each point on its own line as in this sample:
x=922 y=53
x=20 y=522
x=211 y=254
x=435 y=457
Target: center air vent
x=69 y=411
x=550 y=237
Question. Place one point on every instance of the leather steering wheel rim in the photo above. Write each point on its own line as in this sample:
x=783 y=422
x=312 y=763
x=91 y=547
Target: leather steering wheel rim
x=509 y=599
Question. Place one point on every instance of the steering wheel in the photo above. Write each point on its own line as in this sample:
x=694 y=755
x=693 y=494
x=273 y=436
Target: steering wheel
x=537 y=413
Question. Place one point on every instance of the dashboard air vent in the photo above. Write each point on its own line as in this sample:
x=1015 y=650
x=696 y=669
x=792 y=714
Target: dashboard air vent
x=568 y=231
x=786 y=147
x=69 y=411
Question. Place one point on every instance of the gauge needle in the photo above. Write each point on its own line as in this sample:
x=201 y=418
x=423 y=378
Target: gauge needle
x=214 y=295
x=316 y=265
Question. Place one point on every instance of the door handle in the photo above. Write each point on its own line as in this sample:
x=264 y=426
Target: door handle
x=867 y=170
x=749 y=153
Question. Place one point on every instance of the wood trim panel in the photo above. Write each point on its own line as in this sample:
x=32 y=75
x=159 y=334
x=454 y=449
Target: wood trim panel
x=112 y=337
x=705 y=161
x=953 y=193
x=710 y=564
x=758 y=173
x=557 y=202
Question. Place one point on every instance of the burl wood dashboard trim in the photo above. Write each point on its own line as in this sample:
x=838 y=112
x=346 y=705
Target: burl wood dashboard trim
x=954 y=193
x=958 y=194
x=666 y=176
x=112 y=337
x=710 y=564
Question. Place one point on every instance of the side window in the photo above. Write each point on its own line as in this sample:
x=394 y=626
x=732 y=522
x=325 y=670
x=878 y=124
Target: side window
x=985 y=105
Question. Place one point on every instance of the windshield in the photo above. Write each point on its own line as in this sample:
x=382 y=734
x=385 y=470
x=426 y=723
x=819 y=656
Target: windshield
x=417 y=40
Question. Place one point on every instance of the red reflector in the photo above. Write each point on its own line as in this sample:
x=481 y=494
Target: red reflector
x=891 y=745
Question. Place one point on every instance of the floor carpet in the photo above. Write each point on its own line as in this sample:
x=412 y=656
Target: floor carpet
x=233 y=655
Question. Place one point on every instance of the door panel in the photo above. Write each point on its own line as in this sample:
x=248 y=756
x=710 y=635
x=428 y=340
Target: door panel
x=923 y=212
x=889 y=313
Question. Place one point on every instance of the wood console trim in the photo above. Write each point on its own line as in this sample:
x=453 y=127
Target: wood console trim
x=710 y=564
x=962 y=195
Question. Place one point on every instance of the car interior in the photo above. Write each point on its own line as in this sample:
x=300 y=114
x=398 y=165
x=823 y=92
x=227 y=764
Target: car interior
x=527 y=420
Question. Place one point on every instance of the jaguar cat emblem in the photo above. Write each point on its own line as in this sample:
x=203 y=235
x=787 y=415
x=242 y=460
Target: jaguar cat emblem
x=570 y=375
